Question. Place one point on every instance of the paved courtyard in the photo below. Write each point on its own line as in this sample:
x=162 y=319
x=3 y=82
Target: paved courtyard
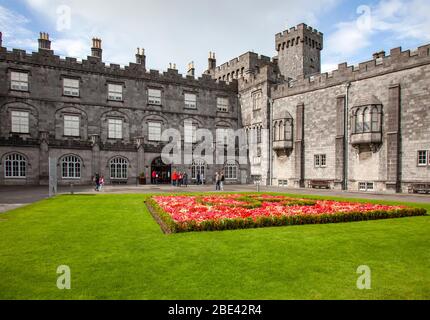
x=12 y=197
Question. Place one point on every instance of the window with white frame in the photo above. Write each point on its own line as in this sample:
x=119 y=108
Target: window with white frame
x=115 y=92
x=366 y=186
x=20 y=121
x=190 y=132
x=198 y=168
x=118 y=168
x=190 y=101
x=154 y=96
x=71 y=167
x=222 y=104
x=71 y=87
x=231 y=169
x=15 y=166
x=320 y=160
x=115 y=129
x=71 y=126
x=19 y=81
x=423 y=158
x=222 y=135
x=154 y=131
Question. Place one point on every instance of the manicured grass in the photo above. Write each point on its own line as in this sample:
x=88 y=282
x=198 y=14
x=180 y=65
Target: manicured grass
x=116 y=251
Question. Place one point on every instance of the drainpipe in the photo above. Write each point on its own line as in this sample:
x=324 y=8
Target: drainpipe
x=271 y=141
x=346 y=139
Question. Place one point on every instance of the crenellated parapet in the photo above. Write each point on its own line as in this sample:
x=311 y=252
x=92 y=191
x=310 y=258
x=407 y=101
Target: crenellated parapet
x=94 y=65
x=380 y=64
x=267 y=73
x=299 y=34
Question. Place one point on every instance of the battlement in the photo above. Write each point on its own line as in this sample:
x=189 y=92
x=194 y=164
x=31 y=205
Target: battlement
x=380 y=64
x=266 y=74
x=46 y=58
x=246 y=58
x=299 y=34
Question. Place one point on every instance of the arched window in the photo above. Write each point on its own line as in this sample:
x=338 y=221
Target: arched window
x=15 y=166
x=118 y=168
x=367 y=120
x=281 y=131
x=375 y=120
x=288 y=130
x=358 y=121
x=231 y=169
x=71 y=167
x=198 y=168
x=275 y=131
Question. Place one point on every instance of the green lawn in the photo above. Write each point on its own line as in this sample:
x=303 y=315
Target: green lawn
x=116 y=251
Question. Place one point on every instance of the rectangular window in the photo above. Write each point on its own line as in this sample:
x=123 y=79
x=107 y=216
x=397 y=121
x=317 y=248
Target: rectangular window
x=422 y=158
x=256 y=100
x=366 y=186
x=19 y=81
x=222 y=135
x=190 y=132
x=71 y=126
x=320 y=160
x=115 y=129
x=71 y=87
x=222 y=104
x=257 y=160
x=154 y=96
x=190 y=101
x=154 y=131
x=115 y=92
x=20 y=122
x=259 y=135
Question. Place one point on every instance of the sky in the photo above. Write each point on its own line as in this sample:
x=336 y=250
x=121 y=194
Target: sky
x=181 y=31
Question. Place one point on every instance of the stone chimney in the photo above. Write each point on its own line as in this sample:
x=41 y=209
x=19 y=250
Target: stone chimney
x=96 y=50
x=1 y=39
x=211 y=61
x=191 y=70
x=44 y=42
x=378 y=55
x=172 y=66
x=140 y=57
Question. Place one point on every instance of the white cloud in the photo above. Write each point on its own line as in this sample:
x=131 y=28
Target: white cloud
x=177 y=31
x=15 y=31
x=391 y=19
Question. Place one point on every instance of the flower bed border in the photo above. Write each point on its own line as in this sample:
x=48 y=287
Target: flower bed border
x=168 y=225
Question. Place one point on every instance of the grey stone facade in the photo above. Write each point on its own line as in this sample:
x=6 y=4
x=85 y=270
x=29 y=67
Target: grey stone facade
x=360 y=127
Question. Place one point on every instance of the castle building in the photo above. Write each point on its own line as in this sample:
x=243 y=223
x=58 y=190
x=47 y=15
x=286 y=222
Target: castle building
x=359 y=128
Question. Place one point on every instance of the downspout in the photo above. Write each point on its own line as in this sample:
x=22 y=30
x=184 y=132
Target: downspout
x=346 y=138
x=271 y=141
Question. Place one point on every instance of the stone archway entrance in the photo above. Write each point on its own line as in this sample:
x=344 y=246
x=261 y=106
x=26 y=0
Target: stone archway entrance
x=163 y=170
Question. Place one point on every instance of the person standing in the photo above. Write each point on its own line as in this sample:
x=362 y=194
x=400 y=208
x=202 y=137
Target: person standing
x=202 y=178
x=180 y=177
x=154 y=177
x=217 y=181
x=185 y=179
x=97 y=181
x=222 y=180
x=198 y=181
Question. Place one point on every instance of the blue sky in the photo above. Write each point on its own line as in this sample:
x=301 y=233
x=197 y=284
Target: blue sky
x=180 y=31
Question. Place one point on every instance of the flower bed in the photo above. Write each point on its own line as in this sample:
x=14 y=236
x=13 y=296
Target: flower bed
x=239 y=211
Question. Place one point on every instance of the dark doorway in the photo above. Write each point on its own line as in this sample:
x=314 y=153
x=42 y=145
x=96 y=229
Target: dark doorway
x=163 y=171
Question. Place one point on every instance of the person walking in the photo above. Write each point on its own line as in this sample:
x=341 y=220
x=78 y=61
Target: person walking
x=180 y=178
x=198 y=181
x=154 y=177
x=221 y=182
x=101 y=183
x=174 y=177
x=202 y=178
x=217 y=181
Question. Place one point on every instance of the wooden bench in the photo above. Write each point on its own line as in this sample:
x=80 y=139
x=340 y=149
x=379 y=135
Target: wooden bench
x=319 y=184
x=419 y=188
